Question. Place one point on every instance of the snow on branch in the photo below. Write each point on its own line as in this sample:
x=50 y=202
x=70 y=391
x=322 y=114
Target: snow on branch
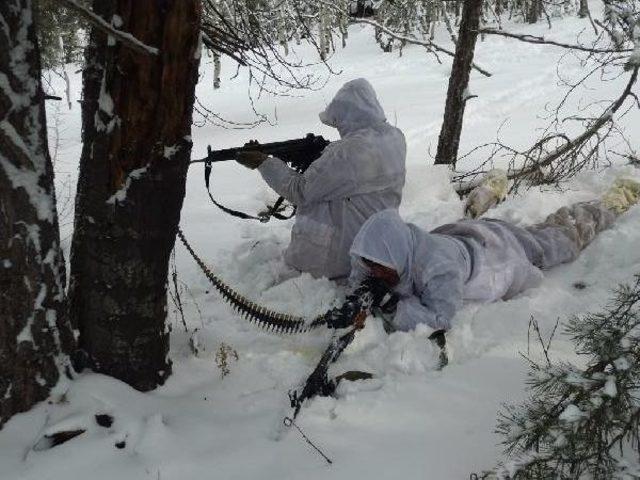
x=99 y=23
x=581 y=421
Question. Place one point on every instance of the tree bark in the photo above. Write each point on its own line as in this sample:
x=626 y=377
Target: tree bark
x=136 y=116
x=583 y=12
x=35 y=336
x=449 y=139
x=534 y=11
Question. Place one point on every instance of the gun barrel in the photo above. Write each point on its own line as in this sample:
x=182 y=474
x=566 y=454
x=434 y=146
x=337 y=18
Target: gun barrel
x=218 y=155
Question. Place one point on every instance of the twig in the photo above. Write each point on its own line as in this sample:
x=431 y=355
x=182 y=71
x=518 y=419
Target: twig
x=177 y=301
x=412 y=40
x=570 y=149
x=597 y=124
x=543 y=41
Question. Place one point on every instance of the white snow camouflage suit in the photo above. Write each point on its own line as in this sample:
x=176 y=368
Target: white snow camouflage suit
x=482 y=260
x=356 y=176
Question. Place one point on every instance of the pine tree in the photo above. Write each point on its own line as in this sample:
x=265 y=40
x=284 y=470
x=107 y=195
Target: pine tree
x=583 y=421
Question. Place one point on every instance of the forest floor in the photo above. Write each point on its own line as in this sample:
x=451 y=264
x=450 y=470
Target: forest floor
x=411 y=421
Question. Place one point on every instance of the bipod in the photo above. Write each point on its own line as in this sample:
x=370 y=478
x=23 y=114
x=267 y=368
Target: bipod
x=318 y=382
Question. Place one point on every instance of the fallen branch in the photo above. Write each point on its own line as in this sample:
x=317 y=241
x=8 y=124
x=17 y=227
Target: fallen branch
x=569 y=145
x=604 y=118
x=99 y=23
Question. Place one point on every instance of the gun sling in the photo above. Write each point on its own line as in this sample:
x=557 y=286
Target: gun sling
x=265 y=216
x=298 y=154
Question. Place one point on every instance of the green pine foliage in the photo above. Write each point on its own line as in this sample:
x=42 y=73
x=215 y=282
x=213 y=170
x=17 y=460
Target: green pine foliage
x=581 y=422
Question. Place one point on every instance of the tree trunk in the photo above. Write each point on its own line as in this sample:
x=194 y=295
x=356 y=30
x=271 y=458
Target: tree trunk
x=534 y=10
x=35 y=336
x=136 y=118
x=584 y=9
x=449 y=139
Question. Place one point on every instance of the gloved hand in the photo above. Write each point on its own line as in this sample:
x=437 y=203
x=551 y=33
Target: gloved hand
x=371 y=295
x=345 y=315
x=251 y=159
x=383 y=297
x=438 y=338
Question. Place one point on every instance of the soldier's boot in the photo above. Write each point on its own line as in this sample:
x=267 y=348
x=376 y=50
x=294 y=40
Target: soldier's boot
x=623 y=194
x=491 y=191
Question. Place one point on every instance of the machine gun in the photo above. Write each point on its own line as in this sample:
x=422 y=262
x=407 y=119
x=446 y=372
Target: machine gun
x=371 y=295
x=299 y=154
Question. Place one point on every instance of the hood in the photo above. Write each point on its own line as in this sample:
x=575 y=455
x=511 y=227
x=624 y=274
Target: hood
x=387 y=240
x=355 y=106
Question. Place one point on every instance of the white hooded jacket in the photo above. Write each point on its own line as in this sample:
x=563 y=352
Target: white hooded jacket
x=468 y=260
x=356 y=176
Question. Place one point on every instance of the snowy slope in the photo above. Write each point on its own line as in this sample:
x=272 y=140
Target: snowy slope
x=410 y=421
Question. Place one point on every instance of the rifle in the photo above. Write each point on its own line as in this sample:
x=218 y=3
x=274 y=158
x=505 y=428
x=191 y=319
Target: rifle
x=371 y=297
x=299 y=154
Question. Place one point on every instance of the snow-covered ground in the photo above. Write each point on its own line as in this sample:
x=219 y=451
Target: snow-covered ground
x=410 y=421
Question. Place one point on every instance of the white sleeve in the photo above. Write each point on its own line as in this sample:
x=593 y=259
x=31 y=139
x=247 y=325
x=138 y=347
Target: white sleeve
x=321 y=181
x=438 y=303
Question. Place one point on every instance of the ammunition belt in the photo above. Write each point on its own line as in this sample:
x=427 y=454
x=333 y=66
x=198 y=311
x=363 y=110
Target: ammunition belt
x=263 y=317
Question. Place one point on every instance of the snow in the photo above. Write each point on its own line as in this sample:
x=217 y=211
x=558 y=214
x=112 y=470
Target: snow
x=26 y=177
x=105 y=102
x=26 y=334
x=169 y=152
x=410 y=420
x=105 y=109
x=571 y=414
x=116 y=21
x=622 y=364
x=610 y=389
x=121 y=194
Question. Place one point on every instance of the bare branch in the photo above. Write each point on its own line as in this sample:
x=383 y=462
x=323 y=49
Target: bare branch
x=99 y=23
x=415 y=41
x=604 y=118
x=574 y=152
x=542 y=41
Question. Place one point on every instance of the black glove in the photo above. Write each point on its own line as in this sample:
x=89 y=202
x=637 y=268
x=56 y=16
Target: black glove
x=344 y=315
x=382 y=297
x=251 y=159
x=438 y=338
x=372 y=294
